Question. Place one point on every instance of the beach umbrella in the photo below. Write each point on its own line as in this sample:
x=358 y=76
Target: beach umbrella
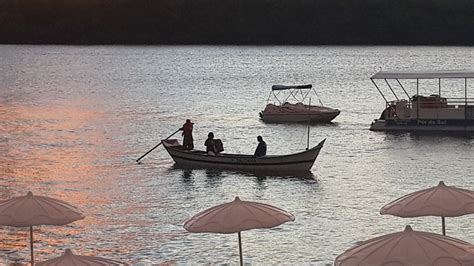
x=32 y=210
x=409 y=247
x=442 y=200
x=237 y=216
x=71 y=259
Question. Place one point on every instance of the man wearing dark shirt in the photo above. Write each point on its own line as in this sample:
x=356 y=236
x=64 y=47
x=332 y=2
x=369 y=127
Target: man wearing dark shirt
x=261 y=148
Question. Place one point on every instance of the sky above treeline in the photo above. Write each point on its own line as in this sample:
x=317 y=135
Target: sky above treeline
x=253 y=22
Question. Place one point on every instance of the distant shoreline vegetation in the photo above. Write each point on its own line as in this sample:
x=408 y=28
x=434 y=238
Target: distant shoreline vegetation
x=238 y=22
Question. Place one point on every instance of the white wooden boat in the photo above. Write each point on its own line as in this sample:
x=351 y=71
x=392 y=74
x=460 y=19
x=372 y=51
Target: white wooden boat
x=278 y=109
x=435 y=112
x=296 y=162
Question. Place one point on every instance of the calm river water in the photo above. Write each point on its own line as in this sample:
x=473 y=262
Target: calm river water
x=73 y=119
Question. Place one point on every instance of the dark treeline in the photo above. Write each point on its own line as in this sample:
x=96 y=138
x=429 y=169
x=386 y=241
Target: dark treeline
x=300 y=22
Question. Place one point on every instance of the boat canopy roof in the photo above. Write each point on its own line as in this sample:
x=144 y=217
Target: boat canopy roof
x=423 y=74
x=290 y=87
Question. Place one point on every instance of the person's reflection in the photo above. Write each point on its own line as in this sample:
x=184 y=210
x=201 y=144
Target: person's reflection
x=213 y=176
x=261 y=184
x=187 y=176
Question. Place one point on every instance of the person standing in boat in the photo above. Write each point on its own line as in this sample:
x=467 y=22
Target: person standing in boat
x=261 y=148
x=187 y=135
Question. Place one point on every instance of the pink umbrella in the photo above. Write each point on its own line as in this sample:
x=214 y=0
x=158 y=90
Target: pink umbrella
x=31 y=210
x=237 y=216
x=70 y=259
x=442 y=200
x=409 y=248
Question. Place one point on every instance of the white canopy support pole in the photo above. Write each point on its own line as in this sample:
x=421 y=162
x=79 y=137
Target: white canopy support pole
x=465 y=91
x=417 y=86
x=305 y=95
x=390 y=87
x=319 y=98
x=403 y=88
x=294 y=93
x=465 y=100
x=417 y=99
x=439 y=87
x=270 y=95
x=276 y=96
x=291 y=94
x=385 y=99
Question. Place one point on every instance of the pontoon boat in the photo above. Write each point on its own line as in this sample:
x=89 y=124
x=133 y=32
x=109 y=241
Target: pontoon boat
x=434 y=112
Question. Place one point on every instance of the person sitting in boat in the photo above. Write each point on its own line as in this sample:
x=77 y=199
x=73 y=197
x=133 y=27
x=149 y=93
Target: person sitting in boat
x=261 y=148
x=213 y=146
x=187 y=135
x=210 y=147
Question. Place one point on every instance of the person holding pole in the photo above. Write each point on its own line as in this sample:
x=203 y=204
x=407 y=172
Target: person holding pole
x=187 y=135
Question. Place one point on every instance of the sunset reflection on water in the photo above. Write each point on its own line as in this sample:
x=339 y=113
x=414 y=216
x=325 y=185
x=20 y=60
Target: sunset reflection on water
x=53 y=151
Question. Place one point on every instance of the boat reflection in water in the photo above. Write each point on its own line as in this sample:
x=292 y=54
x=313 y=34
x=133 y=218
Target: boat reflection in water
x=281 y=164
x=188 y=174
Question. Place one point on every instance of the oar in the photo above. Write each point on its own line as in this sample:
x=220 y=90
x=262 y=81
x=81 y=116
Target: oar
x=138 y=160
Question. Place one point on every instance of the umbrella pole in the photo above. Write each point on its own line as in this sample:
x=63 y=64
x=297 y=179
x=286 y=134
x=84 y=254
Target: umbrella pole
x=240 y=250
x=443 y=223
x=31 y=246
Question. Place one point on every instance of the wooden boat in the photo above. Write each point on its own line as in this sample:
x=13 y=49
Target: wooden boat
x=296 y=162
x=278 y=109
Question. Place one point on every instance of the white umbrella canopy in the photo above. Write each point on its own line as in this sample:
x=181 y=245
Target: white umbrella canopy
x=71 y=259
x=442 y=200
x=237 y=216
x=409 y=247
x=31 y=210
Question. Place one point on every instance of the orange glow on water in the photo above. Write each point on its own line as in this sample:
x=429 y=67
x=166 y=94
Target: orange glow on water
x=56 y=146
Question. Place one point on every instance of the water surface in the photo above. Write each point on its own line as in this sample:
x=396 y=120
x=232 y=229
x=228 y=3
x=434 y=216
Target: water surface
x=75 y=118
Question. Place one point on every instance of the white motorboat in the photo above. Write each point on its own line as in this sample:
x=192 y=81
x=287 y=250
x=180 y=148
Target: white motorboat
x=434 y=112
x=278 y=109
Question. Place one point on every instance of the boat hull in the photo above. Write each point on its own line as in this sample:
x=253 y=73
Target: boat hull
x=423 y=125
x=325 y=117
x=298 y=112
x=298 y=162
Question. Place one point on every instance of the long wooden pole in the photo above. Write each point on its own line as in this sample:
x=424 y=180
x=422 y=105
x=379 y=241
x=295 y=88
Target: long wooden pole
x=307 y=140
x=31 y=246
x=138 y=160
x=309 y=120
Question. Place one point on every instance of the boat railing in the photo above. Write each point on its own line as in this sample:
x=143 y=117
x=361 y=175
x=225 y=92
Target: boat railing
x=447 y=103
x=460 y=101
